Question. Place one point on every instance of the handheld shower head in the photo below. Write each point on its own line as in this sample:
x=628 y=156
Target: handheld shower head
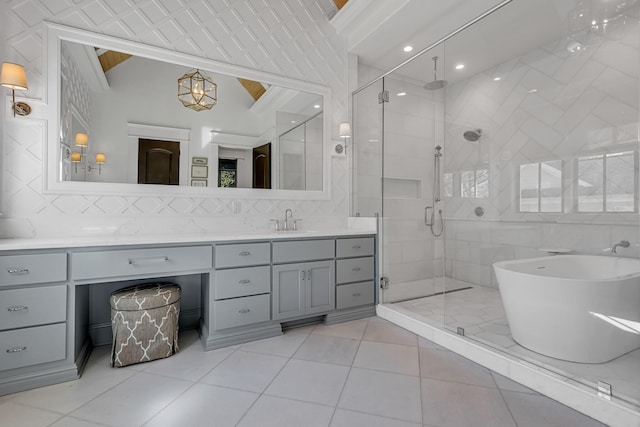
x=472 y=135
x=435 y=84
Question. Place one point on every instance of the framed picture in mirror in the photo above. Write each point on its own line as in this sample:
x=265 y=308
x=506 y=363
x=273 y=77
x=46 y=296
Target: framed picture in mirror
x=199 y=171
x=199 y=160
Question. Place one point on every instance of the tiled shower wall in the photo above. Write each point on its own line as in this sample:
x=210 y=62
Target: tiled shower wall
x=547 y=105
x=286 y=37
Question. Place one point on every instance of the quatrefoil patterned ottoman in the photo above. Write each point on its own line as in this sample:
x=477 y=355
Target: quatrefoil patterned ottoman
x=144 y=321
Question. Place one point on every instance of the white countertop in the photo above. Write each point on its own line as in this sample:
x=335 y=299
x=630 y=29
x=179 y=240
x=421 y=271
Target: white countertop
x=205 y=237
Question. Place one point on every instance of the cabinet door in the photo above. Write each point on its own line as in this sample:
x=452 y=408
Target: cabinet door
x=288 y=290
x=320 y=287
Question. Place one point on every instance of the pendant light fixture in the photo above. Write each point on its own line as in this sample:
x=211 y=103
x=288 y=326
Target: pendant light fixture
x=197 y=91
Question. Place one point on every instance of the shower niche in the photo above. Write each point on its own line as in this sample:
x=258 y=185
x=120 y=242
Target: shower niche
x=402 y=188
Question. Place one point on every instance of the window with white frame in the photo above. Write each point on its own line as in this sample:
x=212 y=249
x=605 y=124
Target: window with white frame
x=607 y=182
x=474 y=183
x=541 y=187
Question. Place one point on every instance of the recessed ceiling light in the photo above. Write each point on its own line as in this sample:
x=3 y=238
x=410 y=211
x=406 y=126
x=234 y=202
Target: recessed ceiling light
x=293 y=121
x=408 y=48
x=594 y=22
x=497 y=79
x=401 y=93
x=604 y=21
x=459 y=66
x=533 y=90
x=316 y=106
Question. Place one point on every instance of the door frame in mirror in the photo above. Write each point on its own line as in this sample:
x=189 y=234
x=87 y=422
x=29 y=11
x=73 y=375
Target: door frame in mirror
x=56 y=33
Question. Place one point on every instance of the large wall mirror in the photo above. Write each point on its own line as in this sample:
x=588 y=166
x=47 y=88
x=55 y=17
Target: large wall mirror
x=127 y=118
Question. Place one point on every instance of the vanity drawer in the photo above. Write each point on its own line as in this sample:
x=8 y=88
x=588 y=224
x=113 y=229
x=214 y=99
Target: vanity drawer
x=354 y=270
x=242 y=255
x=354 y=294
x=308 y=250
x=347 y=248
x=31 y=346
x=32 y=306
x=133 y=262
x=241 y=311
x=238 y=282
x=35 y=268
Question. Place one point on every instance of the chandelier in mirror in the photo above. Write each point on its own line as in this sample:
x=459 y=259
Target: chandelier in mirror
x=197 y=91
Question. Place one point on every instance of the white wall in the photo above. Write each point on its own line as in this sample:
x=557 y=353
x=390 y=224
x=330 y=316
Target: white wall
x=242 y=32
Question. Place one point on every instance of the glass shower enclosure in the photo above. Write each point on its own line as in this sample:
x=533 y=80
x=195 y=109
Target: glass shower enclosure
x=487 y=147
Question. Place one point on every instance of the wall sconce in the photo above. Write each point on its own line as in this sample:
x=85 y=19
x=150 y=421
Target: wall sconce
x=14 y=77
x=344 y=133
x=197 y=91
x=81 y=140
x=76 y=157
x=101 y=159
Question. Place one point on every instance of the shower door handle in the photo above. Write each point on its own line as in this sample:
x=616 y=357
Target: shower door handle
x=427 y=216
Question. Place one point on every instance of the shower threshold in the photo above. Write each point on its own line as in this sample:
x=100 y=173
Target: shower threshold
x=435 y=294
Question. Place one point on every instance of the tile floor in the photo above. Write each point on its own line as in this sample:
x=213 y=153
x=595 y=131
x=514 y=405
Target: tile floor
x=480 y=312
x=367 y=372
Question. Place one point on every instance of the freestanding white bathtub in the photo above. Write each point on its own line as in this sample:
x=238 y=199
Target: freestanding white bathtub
x=579 y=308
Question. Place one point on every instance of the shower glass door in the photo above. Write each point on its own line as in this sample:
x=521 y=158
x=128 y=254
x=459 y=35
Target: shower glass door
x=409 y=136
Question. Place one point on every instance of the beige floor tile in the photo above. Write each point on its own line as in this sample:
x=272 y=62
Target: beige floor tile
x=344 y=418
x=449 y=404
x=246 y=371
x=14 y=414
x=447 y=366
x=380 y=330
x=328 y=349
x=310 y=382
x=205 y=405
x=383 y=393
x=400 y=359
x=270 y=411
x=134 y=401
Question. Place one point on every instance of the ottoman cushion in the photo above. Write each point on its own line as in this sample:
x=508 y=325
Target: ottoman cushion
x=144 y=322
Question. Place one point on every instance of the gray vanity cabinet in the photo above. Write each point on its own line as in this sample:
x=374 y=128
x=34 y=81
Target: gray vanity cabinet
x=303 y=278
x=241 y=285
x=33 y=316
x=355 y=272
x=303 y=288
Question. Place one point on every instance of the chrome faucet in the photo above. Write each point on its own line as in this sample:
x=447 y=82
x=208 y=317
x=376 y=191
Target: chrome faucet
x=621 y=243
x=287 y=214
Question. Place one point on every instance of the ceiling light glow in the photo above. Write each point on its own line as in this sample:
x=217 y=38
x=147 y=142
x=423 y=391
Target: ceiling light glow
x=459 y=66
x=401 y=93
x=316 y=106
x=497 y=79
x=408 y=48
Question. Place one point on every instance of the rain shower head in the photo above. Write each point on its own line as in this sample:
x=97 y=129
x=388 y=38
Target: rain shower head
x=435 y=84
x=472 y=135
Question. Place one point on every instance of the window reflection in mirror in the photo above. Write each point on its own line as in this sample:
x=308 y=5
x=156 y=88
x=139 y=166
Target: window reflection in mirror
x=133 y=90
